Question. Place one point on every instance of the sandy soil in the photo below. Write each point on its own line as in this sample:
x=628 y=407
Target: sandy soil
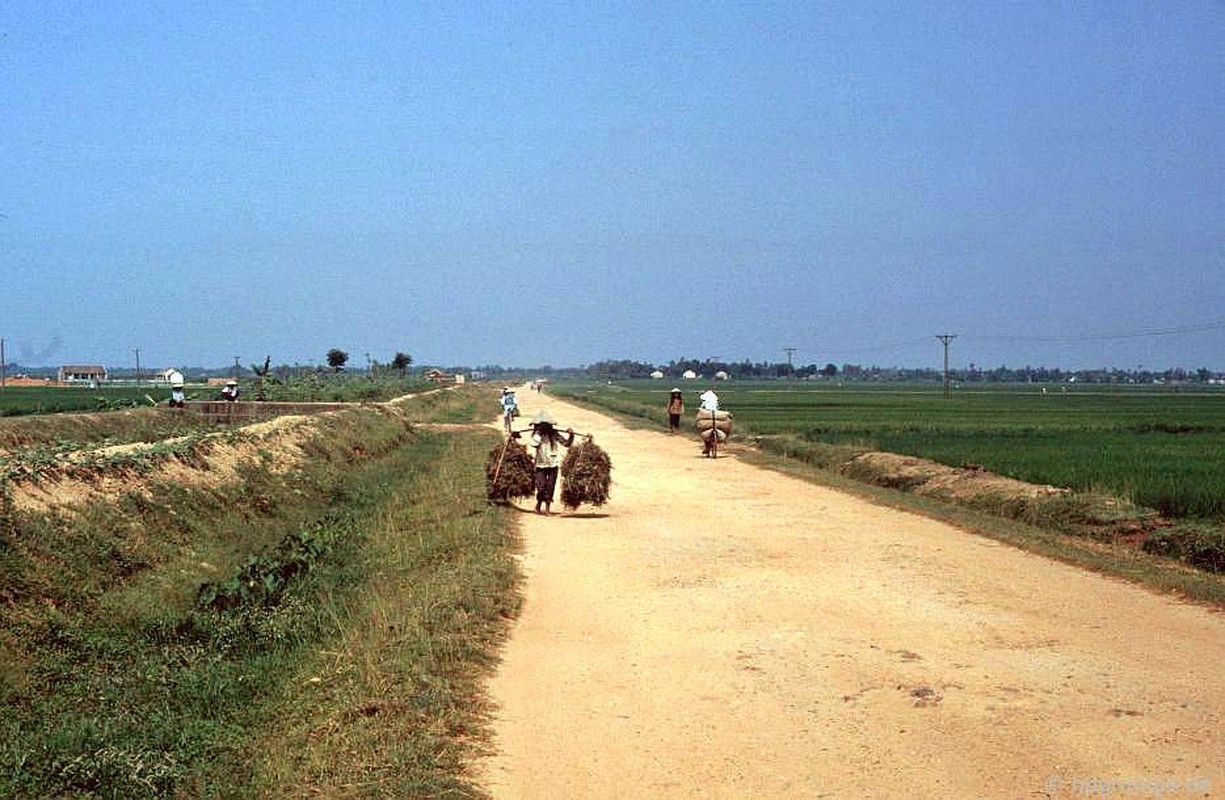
x=719 y=630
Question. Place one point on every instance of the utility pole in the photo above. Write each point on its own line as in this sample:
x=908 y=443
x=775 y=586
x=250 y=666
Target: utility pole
x=138 y=366
x=945 y=338
x=2 y=362
x=790 y=351
x=237 y=369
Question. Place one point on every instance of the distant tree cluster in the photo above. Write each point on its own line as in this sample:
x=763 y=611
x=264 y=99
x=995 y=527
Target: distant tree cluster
x=624 y=369
x=747 y=370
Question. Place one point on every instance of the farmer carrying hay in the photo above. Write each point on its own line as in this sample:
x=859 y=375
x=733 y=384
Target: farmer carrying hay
x=713 y=424
x=547 y=442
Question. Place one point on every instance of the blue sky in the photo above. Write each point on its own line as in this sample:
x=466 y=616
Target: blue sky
x=539 y=183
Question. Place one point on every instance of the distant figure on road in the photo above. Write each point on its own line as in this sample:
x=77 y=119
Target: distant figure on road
x=176 y=389
x=676 y=407
x=710 y=405
x=510 y=408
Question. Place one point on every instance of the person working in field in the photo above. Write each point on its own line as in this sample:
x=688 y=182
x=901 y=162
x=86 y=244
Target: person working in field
x=676 y=407
x=547 y=442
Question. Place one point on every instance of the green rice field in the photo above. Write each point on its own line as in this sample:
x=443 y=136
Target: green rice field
x=23 y=400
x=1160 y=447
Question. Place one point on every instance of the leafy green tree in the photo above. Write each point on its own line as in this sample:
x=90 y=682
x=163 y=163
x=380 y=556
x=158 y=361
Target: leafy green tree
x=337 y=359
x=401 y=362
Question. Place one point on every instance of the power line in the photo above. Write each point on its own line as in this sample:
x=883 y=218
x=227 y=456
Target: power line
x=1137 y=333
x=1098 y=337
x=922 y=341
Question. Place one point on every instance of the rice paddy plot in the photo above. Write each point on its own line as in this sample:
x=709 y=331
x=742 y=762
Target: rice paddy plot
x=1156 y=446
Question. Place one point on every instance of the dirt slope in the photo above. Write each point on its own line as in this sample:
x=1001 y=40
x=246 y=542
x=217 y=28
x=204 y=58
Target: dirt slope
x=718 y=630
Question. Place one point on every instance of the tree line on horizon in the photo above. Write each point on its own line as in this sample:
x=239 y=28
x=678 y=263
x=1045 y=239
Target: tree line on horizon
x=336 y=361
x=629 y=369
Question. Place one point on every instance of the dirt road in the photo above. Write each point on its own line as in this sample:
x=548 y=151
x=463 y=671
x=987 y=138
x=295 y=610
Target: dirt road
x=719 y=630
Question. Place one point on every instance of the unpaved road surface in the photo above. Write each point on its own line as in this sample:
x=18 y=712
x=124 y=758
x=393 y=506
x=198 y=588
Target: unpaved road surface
x=719 y=630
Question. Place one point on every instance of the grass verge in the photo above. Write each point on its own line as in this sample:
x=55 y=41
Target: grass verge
x=389 y=706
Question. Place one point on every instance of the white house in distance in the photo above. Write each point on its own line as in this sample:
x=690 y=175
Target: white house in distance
x=82 y=373
x=657 y=374
x=689 y=374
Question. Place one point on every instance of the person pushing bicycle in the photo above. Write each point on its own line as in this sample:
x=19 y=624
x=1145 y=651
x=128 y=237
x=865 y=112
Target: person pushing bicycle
x=510 y=408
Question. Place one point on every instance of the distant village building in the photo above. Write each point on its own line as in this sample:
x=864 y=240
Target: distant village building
x=438 y=376
x=82 y=373
x=689 y=374
x=720 y=375
x=657 y=374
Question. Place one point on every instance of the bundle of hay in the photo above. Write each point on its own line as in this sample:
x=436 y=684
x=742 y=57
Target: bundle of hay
x=509 y=472
x=716 y=420
x=586 y=475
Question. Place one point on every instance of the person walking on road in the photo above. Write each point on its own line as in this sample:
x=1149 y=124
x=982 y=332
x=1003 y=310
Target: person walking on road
x=177 y=398
x=709 y=404
x=676 y=407
x=547 y=442
x=510 y=408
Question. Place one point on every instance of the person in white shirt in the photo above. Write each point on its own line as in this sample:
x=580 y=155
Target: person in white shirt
x=176 y=389
x=547 y=442
x=510 y=408
x=709 y=405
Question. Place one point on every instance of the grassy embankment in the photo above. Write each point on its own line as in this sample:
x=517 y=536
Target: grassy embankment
x=311 y=632
x=1142 y=464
